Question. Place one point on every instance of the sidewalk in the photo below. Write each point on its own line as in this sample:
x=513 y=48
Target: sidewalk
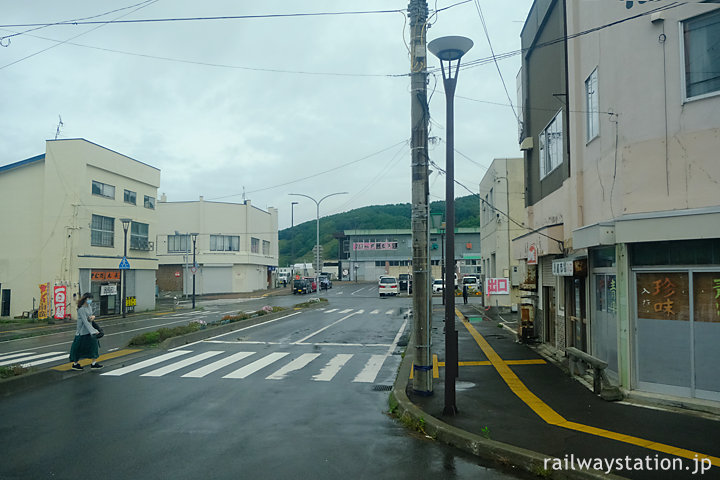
x=517 y=409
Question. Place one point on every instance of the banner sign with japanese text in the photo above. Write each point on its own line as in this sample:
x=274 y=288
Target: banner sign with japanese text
x=59 y=299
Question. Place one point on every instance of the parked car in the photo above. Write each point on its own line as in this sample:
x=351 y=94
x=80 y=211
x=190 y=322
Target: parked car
x=313 y=284
x=388 y=286
x=300 y=286
x=437 y=285
x=472 y=283
x=405 y=282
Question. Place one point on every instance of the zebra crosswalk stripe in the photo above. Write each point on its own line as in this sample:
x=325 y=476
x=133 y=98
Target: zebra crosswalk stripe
x=181 y=364
x=248 y=370
x=147 y=363
x=25 y=359
x=331 y=310
x=372 y=368
x=60 y=357
x=333 y=367
x=208 y=369
x=347 y=310
x=296 y=364
x=375 y=312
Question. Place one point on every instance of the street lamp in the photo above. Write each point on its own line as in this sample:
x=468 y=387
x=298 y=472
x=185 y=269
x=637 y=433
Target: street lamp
x=292 y=235
x=449 y=50
x=194 y=269
x=317 y=230
x=126 y=224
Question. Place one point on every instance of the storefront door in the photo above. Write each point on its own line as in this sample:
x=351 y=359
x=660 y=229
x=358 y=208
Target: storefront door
x=105 y=287
x=677 y=325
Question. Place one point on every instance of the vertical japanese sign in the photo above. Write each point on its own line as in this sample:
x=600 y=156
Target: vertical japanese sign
x=44 y=308
x=59 y=299
x=663 y=296
x=706 y=287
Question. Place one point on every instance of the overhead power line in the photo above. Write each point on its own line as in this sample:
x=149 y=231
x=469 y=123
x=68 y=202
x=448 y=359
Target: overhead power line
x=195 y=19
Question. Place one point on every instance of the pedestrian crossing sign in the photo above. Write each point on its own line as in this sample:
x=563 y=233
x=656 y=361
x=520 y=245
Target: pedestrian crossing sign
x=124 y=264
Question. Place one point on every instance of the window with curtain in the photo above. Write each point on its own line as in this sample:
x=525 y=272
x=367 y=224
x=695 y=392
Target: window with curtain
x=224 y=243
x=592 y=112
x=102 y=231
x=550 y=146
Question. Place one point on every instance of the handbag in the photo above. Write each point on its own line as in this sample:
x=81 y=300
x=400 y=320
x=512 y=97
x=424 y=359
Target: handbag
x=97 y=327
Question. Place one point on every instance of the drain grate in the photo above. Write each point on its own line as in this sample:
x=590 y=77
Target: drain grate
x=382 y=388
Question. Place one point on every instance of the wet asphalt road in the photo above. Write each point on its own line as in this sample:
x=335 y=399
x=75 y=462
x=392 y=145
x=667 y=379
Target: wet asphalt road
x=301 y=397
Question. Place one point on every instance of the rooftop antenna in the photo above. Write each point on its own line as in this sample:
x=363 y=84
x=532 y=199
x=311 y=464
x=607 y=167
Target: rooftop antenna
x=244 y=201
x=60 y=124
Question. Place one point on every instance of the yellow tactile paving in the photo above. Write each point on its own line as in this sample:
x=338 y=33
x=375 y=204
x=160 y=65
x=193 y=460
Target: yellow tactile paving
x=553 y=418
x=118 y=353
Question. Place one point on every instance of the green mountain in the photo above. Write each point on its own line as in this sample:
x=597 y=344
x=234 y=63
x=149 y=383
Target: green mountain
x=300 y=239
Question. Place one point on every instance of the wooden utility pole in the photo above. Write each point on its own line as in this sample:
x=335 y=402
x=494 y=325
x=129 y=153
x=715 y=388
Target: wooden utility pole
x=419 y=115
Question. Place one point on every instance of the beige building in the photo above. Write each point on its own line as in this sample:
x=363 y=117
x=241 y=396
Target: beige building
x=236 y=247
x=620 y=134
x=65 y=207
x=502 y=211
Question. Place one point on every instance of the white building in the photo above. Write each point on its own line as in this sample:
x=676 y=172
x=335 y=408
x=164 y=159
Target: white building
x=61 y=214
x=236 y=247
x=502 y=211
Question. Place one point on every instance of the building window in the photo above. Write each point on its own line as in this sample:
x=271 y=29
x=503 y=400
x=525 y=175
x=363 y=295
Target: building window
x=178 y=243
x=550 y=143
x=224 y=243
x=592 y=114
x=103 y=189
x=266 y=247
x=102 y=231
x=254 y=245
x=139 y=236
x=130 y=197
x=702 y=54
x=149 y=202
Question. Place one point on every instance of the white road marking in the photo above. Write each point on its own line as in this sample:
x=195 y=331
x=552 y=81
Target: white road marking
x=207 y=369
x=147 y=363
x=375 y=312
x=14 y=355
x=324 y=328
x=371 y=370
x=332 y=367
x=347 y=310
x=238 y=330
x=331 y=310
x=60 y=357
x=296 y=364
x=248 y=370
x=31 y=357
x=359 y=290
x=181 y=364
x=389 y=312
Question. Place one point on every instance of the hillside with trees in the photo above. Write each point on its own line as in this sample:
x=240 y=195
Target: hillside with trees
x=301 y=238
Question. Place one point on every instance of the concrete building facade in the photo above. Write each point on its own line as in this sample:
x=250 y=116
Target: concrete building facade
x=236 y=247
x=66 y=230
x=502 y=213
x=622 y=195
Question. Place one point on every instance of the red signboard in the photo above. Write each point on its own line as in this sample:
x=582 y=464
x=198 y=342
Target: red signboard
x=59 y=299
x=532 y=258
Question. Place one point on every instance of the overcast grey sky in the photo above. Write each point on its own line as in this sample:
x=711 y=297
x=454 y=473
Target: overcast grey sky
x=219 y=105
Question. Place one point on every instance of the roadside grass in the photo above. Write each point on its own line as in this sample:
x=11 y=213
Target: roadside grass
x=13 y=371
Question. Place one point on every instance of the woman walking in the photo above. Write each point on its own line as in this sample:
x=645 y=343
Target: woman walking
x=85 y=344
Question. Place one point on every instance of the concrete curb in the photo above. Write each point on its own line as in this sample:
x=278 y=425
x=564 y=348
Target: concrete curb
x=504 y=455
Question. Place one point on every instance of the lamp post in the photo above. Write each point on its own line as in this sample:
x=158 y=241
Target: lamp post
x=126 y=224
x=194 y=267
x=449 y=50
x=317 y=230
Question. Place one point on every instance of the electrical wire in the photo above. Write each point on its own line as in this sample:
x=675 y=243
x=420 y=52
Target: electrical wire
x=102 y=24
x=315 y=174
x=492 y=51
x=214 y=18
x=494 y=208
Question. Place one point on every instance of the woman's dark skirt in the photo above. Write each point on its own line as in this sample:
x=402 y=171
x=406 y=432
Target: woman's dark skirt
x=84 y=346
